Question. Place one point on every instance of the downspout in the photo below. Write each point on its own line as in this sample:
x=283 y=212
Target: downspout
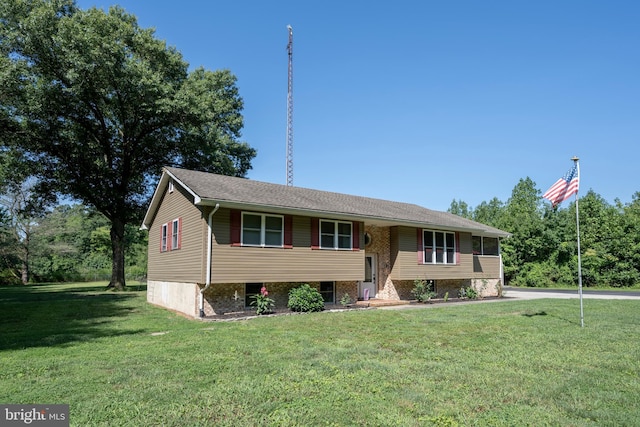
x=209 y=249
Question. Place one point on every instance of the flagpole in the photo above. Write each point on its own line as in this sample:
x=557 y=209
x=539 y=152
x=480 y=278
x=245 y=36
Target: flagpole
x=576 y=161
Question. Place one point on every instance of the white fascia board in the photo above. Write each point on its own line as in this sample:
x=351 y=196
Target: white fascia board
x=157 y=196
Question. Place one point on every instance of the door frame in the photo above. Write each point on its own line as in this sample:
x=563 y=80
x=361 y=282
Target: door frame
x=373 y=284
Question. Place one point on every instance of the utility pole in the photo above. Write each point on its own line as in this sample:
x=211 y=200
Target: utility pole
x=290 y=110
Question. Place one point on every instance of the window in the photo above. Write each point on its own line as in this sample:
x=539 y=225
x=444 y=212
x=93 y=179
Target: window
x=262 y=230
x=171 y=235
x=175 y=229
x=170 y=186
x=164 y=238
x=327 y=290
x=439 y=247
x=490 y=246
x=335 y=235
x=251 y=289
x=485 y=245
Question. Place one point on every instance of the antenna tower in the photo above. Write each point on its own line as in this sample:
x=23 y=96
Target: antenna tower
x=290 y=110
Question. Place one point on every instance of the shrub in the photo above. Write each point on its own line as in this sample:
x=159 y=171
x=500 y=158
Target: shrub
x=472 y=293
x=305 y=298
x=423 y=290
x=345 y=300
x=467 y=292
x=262 y=302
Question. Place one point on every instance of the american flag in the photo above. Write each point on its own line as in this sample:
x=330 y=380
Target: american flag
x=564 y=187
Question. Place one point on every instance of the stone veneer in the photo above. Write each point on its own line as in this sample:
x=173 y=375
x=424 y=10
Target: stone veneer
x=230 y=297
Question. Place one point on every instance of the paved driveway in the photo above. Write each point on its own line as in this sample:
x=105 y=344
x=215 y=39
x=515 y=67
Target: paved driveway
x=535 y=293
x=514 y=294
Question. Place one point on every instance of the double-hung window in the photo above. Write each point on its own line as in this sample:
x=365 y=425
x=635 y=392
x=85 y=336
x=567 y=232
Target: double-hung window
x=171 y=235
x=336 y=235
x=164 y=238
x=262 y=230
x=175 y=234
x=439 y=247
x=485 y=245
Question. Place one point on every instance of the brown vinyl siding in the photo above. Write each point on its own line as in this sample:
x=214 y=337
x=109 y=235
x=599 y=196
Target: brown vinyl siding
x=486 y=267
x=407 y=267
x=184 y=264
x=233 y=264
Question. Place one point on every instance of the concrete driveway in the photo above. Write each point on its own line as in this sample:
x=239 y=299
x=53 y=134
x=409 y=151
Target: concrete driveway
x=515 y=294
x=536 y=293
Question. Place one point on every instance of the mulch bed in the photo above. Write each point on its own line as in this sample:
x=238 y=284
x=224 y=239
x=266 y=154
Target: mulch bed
x=251 y=314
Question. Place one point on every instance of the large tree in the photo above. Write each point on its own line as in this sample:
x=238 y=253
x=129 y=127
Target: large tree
x=101 y=105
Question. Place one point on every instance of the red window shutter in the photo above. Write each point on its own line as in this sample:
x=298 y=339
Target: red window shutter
x=179 y=233
x=356 y=236
x=420 y=247
x=315 y=233
x=236 y=219
x=288 y=231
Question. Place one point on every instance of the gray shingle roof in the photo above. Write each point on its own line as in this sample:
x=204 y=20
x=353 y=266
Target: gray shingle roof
x=232 y=191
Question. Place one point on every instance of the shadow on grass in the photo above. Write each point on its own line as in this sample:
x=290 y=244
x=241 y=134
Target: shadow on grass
x=58 y=315
x=539 y=313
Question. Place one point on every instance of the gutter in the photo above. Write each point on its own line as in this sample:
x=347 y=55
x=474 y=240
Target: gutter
x=209 y=250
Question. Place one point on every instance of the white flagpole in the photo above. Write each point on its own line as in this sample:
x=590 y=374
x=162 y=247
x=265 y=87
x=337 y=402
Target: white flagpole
x=576 y=160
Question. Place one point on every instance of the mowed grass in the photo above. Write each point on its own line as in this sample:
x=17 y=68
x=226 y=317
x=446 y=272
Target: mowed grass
x=118 y=361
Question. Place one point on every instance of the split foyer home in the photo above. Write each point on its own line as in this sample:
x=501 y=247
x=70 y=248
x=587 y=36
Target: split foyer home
x=214 y=241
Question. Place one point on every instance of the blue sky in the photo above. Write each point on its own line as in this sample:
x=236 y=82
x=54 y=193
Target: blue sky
x=426 y=101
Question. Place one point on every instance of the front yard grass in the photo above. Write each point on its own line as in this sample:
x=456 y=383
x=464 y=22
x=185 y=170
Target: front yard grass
x=120 y=361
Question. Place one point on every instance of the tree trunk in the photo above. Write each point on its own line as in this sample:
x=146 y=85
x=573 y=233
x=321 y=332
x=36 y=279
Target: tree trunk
x=24 y=271
x=117 y=249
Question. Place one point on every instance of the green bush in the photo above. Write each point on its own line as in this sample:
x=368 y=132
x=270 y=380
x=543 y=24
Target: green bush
x=423 y=290
x=305 y=298
x=345 y=300
x=467 y=292
x=472 y=293
x=262 y=302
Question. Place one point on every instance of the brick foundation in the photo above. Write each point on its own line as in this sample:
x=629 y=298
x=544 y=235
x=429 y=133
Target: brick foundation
x=230 y=297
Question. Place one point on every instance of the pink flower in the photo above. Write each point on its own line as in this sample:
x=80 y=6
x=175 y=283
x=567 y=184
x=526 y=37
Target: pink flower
x=263 y=291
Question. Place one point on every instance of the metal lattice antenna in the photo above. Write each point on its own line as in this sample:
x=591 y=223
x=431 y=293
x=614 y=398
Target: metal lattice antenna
x=290 y=110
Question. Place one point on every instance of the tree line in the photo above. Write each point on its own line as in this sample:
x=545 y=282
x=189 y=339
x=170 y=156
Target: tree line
x=92 y=107
x=71 y=242
x=542 y=251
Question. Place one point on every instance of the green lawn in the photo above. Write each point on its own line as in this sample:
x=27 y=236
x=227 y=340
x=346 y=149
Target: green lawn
x=119 y=361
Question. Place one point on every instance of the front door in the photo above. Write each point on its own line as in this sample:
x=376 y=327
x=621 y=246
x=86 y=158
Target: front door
x=368 y=286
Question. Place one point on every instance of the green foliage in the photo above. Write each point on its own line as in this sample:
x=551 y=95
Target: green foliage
x=304 y=298
x=542 y=251
x=467 y=293
x=423 y=290
x=446 y=296
x=471 y=293
x=345 y=300
x=262 y=302
x=107 y=105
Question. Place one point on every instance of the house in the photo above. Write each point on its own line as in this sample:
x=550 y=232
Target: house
x=215 y=240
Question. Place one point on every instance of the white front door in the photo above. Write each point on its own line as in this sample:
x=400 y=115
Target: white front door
x=368 y=286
